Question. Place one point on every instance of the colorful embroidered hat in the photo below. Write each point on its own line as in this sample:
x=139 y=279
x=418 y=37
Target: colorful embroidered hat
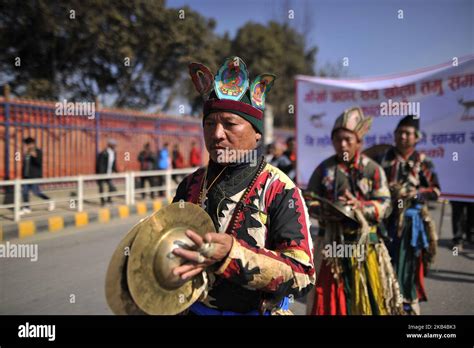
x=353 y=120
x=231 y=91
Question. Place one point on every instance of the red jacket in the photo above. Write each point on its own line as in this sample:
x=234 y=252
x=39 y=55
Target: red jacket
x=195 y=157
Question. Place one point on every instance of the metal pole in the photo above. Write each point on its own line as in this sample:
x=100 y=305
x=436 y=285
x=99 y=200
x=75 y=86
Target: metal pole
x=80 y=193
x=268 y=126
x=7 y=132
x=97 y=126
x=168 y=184
x=132 y=187
x=127 y=189
x=17 y=200
x=441 y=218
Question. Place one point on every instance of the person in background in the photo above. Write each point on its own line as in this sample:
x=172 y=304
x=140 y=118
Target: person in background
x=32 y=169
x=164 y=157
x=178 y=162
x=361 y=283
x=462 y=222
x=195 y=156
x=163 y=163
x=413 y=182
x=107 y=164
x=178 y=159
x=147 y=162
x=290 y=153
x=269 y=152
x=278 y=159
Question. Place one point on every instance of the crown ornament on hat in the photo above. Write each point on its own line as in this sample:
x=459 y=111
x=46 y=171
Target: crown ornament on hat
x=231 y=83
x=354 y=120
x=230 y=90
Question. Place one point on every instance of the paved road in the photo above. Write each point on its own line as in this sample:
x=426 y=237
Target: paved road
x=69 y=263
x=72 y=265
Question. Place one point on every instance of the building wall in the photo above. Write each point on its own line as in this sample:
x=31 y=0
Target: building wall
x=70 y=143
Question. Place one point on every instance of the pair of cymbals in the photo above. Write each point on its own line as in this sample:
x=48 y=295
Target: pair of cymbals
x=140 y=277
x=324 y=208
x=375 y=152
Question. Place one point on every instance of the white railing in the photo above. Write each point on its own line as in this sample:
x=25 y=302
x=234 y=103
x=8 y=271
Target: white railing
x=129 y=192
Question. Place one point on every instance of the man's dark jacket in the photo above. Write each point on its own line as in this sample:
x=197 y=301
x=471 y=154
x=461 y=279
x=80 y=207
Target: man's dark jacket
x=35 y=169
x=103 y=161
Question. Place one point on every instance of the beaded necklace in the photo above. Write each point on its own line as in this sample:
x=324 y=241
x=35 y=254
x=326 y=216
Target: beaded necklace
x=240 y=204
x=205 y=189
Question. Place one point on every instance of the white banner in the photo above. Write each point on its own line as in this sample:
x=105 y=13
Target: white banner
x=442 y=96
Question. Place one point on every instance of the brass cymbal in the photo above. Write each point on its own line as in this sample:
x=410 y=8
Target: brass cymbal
x=152 y=284
x=376 y=151
x=337 y=210
x=116 y=288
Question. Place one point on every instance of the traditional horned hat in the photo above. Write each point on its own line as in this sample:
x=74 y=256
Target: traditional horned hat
x=229 y=90
x=353 y=120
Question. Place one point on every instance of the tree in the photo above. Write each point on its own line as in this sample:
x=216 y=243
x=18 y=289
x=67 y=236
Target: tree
x=128 y=51
x=278 y=49
x=220 y=50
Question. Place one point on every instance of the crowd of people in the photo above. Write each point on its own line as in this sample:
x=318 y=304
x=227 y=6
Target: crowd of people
x=149 y=161
x=106 y=163
x=375 y=238
x=283 y=158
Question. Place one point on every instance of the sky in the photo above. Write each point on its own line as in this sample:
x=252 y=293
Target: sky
x=368 y=32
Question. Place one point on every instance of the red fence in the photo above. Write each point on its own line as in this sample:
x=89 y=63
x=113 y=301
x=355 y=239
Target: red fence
x=70 y=143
